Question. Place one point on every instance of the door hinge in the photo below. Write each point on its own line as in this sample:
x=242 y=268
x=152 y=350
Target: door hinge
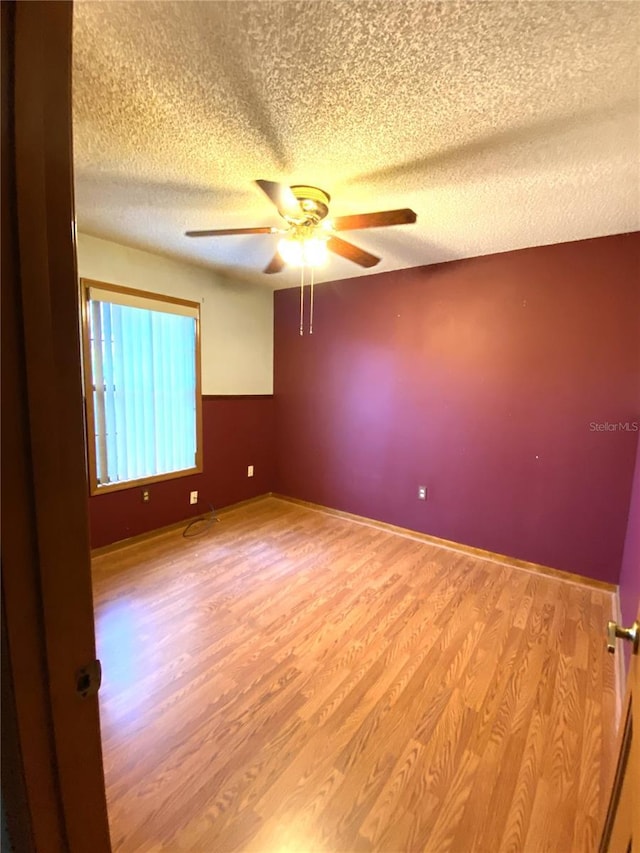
x=89 y=679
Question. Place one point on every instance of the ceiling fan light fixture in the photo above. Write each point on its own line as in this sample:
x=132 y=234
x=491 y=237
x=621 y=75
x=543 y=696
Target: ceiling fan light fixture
x=296 y=251
x=290 y=250
x=314 y=251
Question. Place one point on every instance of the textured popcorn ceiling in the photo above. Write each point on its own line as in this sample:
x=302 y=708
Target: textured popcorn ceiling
x=502 y=124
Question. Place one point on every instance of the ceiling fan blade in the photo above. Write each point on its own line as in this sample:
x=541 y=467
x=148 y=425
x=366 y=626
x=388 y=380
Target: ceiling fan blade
x=225 y=232
x=351 y=252
x=405 y=216
x=282 y=196
x=276 y=264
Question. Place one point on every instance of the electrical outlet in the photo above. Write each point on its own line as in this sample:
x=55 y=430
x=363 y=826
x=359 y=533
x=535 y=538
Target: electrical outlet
x=193 y=497
x=422 y=493
x=249 y=470
x=145 y=496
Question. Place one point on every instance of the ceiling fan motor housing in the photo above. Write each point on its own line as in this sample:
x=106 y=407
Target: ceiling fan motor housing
x=314 y=204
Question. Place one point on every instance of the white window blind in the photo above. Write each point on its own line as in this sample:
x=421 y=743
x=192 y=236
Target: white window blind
x=143 y=354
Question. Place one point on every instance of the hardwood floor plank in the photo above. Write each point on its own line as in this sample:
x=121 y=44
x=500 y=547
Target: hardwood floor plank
x=294 y=681
x=384 y=811
x=518 y=818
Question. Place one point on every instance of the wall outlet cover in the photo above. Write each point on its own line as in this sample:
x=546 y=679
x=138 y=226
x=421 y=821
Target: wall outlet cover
x=422 y=493
x=193 y=498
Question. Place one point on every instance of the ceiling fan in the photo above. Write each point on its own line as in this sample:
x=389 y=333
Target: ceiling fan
x=308 y=233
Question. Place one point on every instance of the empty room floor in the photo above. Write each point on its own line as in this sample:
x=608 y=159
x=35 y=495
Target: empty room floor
x=295 y=681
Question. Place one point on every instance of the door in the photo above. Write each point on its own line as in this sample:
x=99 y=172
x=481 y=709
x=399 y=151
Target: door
x=52 y=779
x=622 y=826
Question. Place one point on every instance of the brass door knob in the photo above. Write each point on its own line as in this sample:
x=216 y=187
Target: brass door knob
x=615 y=632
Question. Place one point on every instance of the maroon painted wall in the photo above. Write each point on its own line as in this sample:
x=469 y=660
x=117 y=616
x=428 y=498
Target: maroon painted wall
x=630 y=572
x=237 y=431
x=479 y=378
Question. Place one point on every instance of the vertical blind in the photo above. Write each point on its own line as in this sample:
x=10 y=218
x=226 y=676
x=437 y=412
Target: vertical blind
x=143 y=362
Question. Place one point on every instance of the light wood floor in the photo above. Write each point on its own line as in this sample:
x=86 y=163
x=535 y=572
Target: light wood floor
x=292 y=682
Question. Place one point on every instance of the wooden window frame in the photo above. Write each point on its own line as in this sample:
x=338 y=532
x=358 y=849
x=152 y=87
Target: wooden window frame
x=90 y=416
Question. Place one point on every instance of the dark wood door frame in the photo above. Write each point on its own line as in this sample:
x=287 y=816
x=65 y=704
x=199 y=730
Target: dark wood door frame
x=52 y=774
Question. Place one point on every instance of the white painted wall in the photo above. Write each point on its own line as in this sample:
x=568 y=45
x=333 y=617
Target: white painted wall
x=236 y=318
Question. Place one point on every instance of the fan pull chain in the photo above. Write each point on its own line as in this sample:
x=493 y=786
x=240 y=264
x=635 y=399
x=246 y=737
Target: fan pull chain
x=311 y=306
x=302 y=299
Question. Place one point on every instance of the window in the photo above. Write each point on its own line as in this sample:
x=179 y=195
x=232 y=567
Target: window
x=142 y=383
